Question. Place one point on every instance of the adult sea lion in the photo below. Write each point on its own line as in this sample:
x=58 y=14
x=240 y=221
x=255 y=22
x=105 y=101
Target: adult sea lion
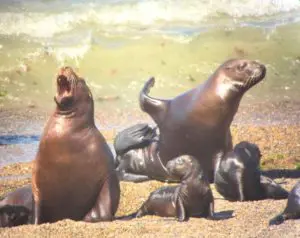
x=137 y=155
x=192 y=198
x=16 y=207
x=238 y=178
x=292 y=210
x=197 y=122
x=73 y=173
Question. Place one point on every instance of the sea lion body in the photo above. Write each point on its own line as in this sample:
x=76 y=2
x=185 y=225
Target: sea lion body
x=238 y=178
x=192 y=198
x=73 y=173
x=198 y=121
x=137 y=155
x=19 y=197
x=16 y=207
x=292 y=210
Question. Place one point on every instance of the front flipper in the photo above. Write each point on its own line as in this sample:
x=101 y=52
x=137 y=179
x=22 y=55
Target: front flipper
x=107 y=202
x=272 y=189
x=156 y=108
x=136 y=136
x=143 y=211
x=240 y=186
x=180 y=211
x=278 y=219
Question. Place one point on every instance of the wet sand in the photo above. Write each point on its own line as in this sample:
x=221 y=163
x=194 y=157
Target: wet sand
x=274 y=127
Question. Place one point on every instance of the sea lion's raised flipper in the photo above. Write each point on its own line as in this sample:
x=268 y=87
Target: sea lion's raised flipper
x=156 y=108
x=136 y=136
x=272 y=189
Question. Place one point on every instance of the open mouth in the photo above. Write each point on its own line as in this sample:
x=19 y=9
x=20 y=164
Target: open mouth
x=63 y=85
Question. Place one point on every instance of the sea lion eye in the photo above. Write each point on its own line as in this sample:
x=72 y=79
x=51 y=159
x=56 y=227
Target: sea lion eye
x=241 y=66
x=179 y=161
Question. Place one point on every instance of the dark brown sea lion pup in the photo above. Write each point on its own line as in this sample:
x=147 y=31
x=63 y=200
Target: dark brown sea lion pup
x=73 y=173
x=192 y=198
x=137 y=155
x=238 y=177
x=16 y=207
x=292 y=210
x=14 y=216
x=197 y=122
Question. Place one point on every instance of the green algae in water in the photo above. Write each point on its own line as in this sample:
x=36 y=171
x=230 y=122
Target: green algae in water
x=3 y=93
x=178 y=64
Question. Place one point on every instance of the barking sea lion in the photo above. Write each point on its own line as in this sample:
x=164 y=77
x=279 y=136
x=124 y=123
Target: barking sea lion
x=73 y=173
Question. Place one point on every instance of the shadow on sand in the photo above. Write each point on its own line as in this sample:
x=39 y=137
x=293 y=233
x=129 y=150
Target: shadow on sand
x=18 y=139
x=281 y=173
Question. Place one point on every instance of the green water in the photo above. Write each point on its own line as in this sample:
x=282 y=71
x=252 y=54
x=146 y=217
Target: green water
x=118 y=67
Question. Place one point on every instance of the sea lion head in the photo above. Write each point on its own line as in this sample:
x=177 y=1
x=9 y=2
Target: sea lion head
x=13 y=216
x=236 y=76
x=249 y=151
x=182 y=166
x=72 y=93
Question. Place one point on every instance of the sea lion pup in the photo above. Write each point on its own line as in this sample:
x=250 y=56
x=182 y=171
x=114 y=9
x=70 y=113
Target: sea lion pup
x=238 y=178
x=14 y=216
x=16 y=207
x=137 y=155
x=198 y=121
x=73 y=172
x=292 y=210
x=192 y=198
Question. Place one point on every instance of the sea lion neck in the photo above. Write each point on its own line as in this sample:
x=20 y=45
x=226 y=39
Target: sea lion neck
x=79 y=115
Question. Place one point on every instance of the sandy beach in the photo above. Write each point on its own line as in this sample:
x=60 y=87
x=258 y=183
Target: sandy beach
x=279 y=143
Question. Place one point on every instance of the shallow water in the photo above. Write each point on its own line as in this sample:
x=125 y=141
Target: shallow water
x=118 y=44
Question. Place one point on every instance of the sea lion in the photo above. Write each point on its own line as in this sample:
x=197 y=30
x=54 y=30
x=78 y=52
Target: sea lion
x=16 y=207
x=192 y=198
x=198 y=121
x=14 y=216
x=73 y=172
x=137 y=155
x=292 y=210
x=238 y=178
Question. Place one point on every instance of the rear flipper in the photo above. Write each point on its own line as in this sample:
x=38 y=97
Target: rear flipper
x=272 y=189
x=137 y=136
x=156 y=108
x=128 y=177
x=127 y=217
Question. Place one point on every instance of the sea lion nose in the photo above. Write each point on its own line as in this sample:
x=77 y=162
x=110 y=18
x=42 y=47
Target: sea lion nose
x=66 y=71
